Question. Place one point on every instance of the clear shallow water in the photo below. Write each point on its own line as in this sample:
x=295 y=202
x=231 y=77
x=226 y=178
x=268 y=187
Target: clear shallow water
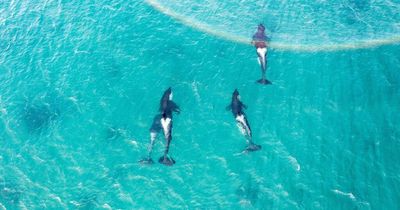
x=81 y=83
x=304 y=25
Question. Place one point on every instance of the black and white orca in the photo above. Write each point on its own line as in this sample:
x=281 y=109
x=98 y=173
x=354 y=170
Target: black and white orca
x=163 y=122
x=260 y=42
x=237 y=107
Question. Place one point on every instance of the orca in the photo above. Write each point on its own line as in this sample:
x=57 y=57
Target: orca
x=237 y=108
x=260 y=42
x=163 y=122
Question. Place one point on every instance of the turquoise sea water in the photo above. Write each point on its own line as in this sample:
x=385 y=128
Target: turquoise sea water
x=81 y=81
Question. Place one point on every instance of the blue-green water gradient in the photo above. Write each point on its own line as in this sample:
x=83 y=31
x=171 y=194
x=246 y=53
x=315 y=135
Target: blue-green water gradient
x=81 y=81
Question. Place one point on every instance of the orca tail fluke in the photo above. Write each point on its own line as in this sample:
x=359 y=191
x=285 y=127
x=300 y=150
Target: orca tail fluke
x=264 y=81
x=146 y=161
x=166 y=161
x=252 y=148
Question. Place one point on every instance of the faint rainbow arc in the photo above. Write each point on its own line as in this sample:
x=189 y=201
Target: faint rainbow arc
x=277 y=45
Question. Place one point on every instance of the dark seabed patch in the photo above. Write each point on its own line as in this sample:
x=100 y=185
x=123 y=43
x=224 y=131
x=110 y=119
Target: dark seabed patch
x=10 y=194
x=110 y=68
x=361 y=5
x=42 y=111
x=248 y=192
x=38 y=116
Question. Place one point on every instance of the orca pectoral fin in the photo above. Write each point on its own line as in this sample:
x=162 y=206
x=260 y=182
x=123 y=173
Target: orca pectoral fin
x=166 y=161
x=146 y=161
x=228 y=108
x=175 y=107
x=252 y=148
x=264 y=82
